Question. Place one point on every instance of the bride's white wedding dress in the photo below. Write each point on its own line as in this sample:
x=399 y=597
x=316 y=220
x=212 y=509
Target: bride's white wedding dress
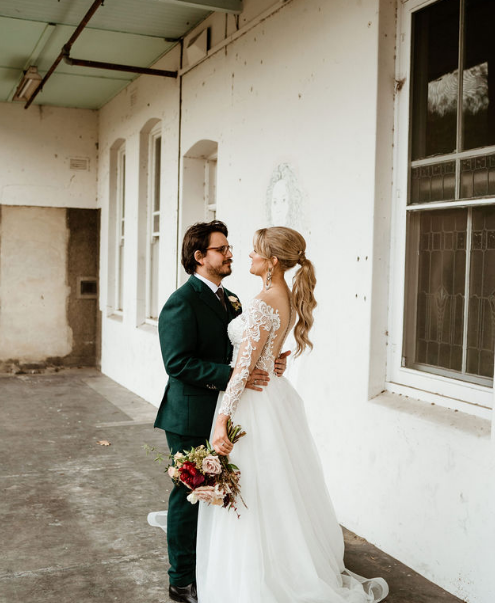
x=287 y=546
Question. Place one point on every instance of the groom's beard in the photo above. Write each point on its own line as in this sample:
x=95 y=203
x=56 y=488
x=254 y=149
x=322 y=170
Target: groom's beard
x=221 y=271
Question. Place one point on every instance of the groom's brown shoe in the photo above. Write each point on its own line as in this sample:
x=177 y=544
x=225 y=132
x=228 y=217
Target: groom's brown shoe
x=183 y=594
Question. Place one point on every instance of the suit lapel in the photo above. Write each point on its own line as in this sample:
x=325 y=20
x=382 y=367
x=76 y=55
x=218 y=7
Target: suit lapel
x=209 y=298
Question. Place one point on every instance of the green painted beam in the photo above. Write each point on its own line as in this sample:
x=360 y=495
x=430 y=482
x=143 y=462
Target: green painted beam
x=224 y=6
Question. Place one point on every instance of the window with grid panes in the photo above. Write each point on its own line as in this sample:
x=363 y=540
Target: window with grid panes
x=153 y=251
x=120 y=238
x=450 y=301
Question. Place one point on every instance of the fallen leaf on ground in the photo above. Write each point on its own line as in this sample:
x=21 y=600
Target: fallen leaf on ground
x=103 y=442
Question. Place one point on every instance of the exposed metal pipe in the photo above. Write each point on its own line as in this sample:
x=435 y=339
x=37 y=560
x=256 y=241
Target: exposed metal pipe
x=65 y=55
x=94 y=7
x=117 y=67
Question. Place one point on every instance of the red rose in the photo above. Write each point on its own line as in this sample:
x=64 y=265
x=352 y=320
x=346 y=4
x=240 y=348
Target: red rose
x=190 y=476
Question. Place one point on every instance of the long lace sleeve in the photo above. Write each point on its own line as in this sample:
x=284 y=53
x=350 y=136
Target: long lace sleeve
x=260 y=321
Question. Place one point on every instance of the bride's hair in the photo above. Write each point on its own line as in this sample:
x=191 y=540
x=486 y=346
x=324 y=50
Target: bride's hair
x=289 y=247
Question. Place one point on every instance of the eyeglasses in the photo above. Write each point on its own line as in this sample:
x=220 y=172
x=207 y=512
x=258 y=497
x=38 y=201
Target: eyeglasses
x=223 y=249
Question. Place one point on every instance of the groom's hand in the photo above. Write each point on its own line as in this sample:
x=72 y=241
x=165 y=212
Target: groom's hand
x=281 y=363
x=257 y=380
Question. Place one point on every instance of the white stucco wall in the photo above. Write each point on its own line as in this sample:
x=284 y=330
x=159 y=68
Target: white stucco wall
x=35 y=151
x=312 y=86
x=130 y=350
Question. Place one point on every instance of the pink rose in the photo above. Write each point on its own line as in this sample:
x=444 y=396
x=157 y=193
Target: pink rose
x=208 y=494
x=173 y=472
x=204 y=493
x=212 y=465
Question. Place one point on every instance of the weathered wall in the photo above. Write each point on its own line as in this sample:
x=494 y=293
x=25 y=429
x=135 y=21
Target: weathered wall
x=35 y=154
x=312 y=86
x=33 y=287
x=82 y=263
x=40 y=316
x=43 y=319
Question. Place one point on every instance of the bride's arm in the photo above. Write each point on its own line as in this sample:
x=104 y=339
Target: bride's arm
x=259 y=322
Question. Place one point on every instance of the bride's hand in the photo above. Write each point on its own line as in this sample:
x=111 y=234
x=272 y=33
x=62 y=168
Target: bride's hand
x=220 y=440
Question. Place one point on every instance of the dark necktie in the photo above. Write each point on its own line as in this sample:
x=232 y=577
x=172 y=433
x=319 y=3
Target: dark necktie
x=221 y=297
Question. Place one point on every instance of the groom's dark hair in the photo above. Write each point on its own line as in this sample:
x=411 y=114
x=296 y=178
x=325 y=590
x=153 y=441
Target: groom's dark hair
x=197 y=238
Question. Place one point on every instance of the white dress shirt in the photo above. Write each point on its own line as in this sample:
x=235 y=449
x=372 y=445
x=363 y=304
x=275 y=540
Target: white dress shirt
x=213 y=286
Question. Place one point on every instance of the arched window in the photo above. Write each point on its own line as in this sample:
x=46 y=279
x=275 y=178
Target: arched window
x=149 y=221
x=116 y=227
x=199 y=186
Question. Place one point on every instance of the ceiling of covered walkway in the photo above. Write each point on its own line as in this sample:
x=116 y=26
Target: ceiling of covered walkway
x=130 y=32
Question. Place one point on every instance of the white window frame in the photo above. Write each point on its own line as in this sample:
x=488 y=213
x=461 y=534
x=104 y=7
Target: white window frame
x=453 y=393
x=152 y=236
x=120 y=232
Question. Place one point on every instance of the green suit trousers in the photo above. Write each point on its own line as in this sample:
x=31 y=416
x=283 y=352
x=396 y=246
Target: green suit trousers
x=182 y=520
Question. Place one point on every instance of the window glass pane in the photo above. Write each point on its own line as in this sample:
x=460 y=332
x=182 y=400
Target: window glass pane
x=122 y=185
x=435 y=79
x=481 y=322
x=154 y=274
x=158 y=154
x=440 y=299
x=479 y=74
x=433 y=183
x=212 y=182
x=120 y=279
x=478 y=176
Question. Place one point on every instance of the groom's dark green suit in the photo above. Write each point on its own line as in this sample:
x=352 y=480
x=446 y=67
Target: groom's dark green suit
x=196 y=352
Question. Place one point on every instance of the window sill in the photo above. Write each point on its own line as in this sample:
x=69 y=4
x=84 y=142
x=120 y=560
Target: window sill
x=476 y=407
x=448 y=418
x=116 y=316
x=469 y=398
x=149 y=327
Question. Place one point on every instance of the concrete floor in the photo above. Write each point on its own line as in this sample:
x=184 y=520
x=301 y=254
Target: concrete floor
x=74 y=513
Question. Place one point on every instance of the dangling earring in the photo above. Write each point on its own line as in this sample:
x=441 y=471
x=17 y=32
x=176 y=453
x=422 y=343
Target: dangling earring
x=268 y=283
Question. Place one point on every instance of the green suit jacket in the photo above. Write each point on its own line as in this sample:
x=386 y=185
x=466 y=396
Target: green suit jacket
x=196 y=352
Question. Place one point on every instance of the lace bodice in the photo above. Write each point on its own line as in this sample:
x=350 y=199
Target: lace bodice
x=252 y=334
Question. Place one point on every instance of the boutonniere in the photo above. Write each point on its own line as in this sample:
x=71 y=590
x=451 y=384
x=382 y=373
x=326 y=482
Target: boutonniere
x=236 y=304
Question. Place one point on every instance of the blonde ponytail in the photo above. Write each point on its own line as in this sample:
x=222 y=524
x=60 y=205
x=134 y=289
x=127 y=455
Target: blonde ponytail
x=289 y=247
x=304 y=301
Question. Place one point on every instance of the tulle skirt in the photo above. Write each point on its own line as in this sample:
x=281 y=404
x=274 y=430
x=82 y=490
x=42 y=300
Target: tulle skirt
x=287 y=546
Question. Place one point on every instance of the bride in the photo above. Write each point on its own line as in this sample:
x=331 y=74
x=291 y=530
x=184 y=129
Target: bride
x=287 y=546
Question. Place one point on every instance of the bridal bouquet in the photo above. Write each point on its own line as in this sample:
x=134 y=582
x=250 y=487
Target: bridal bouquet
x=210 y=477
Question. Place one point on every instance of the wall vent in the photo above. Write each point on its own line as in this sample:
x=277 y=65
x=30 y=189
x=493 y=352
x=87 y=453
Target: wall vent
x=87 y=287
x=79 y=164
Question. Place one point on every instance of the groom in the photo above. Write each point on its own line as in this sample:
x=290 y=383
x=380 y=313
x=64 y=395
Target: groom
x=196 y=352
